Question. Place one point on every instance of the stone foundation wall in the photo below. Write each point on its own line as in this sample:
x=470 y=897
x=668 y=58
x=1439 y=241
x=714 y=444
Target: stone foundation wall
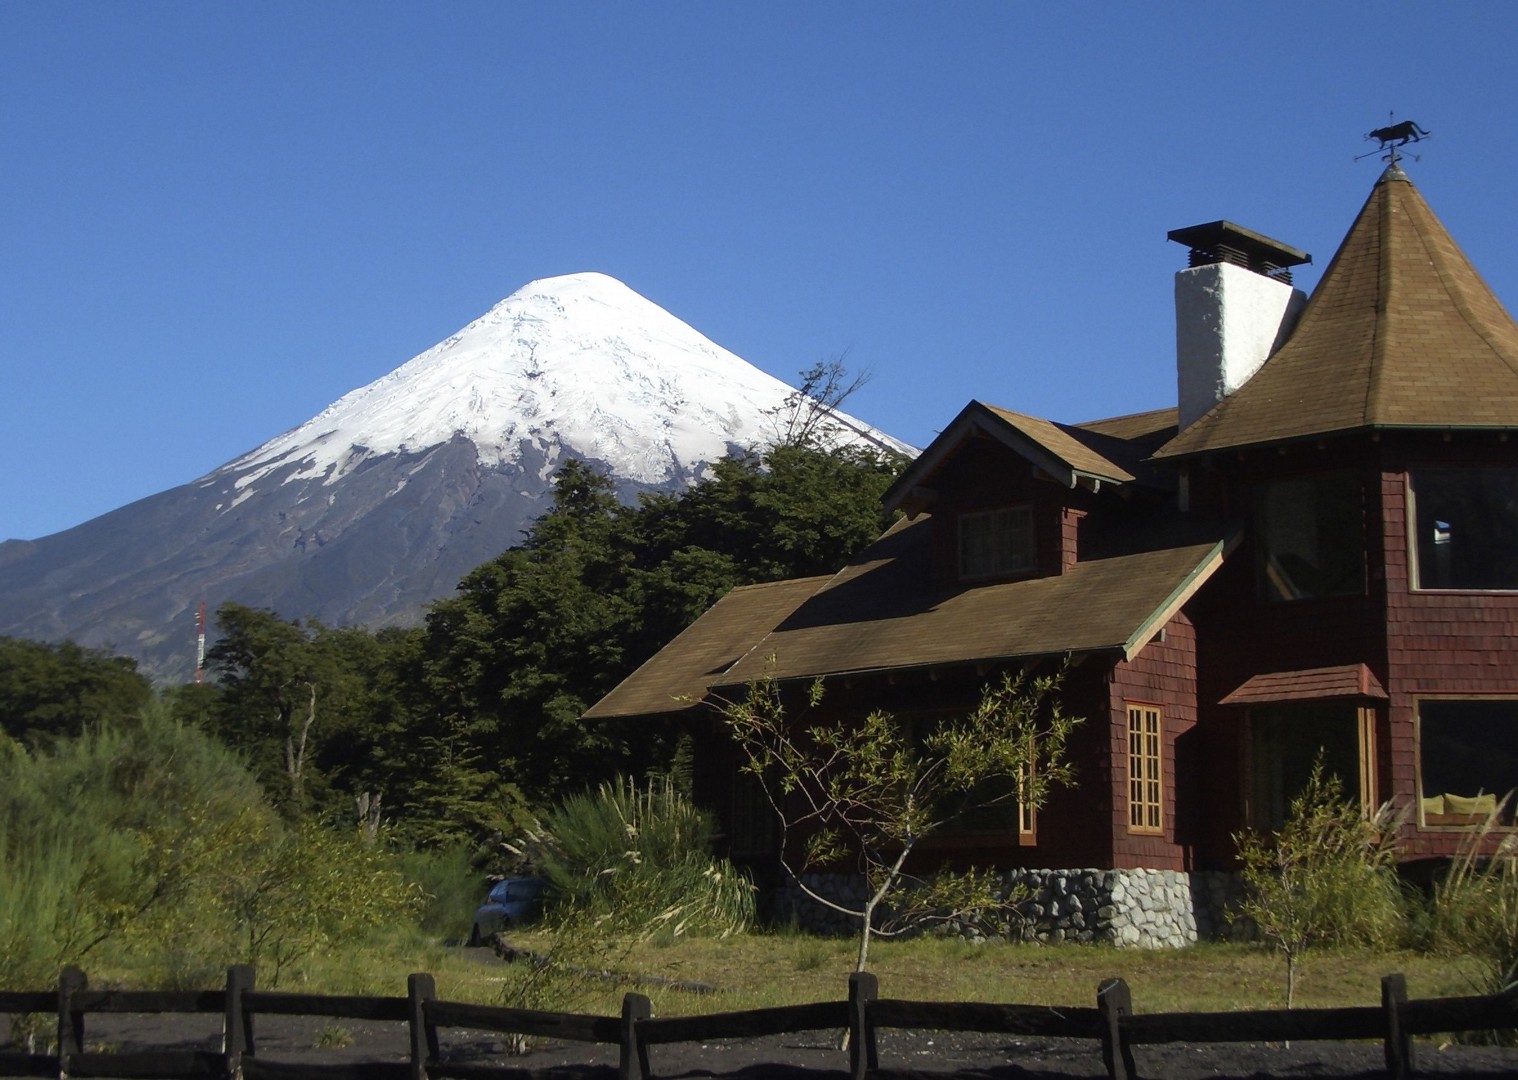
x=1143 y=909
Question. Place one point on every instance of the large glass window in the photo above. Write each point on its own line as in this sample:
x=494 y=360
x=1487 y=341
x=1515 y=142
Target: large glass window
x=1467 y=759
x=1466 y=528
x=1285 y=742
x=996 y=542
x=1311 y=537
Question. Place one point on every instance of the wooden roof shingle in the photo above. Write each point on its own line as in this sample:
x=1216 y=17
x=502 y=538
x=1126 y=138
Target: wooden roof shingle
x=881 y=612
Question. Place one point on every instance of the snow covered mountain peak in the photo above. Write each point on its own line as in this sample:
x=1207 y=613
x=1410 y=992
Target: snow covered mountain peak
x=578 y=362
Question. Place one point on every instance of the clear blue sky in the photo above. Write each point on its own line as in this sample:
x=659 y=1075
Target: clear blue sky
x=217 y=218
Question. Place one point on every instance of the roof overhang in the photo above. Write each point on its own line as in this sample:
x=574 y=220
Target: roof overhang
x=1344 y=682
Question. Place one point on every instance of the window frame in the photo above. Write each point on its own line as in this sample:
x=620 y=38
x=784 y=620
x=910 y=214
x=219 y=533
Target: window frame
x=1027 y=813
x=1030 y=549
x=1265 y=590
x=1148 y=784
x=1414 y=548
x=1511 y=825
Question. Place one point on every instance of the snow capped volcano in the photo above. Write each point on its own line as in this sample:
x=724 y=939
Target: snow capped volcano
x=579 y=361
x=381 y=504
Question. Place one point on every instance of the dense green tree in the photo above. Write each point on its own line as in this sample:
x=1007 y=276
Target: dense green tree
x=539 y=634
x=318 y=711
x=52 y=691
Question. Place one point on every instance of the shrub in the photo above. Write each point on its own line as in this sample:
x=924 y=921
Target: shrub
x=1328 y=876
x=639 y=861
x=151 y=840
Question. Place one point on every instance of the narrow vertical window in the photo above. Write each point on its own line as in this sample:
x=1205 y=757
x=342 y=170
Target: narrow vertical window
x=1027 y=812
x=1146 y=792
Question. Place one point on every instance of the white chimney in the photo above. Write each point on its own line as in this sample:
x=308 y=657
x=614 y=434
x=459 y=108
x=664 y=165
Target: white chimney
x=1234 y=305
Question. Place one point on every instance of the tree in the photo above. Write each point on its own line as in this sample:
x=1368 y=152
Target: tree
x=869 y=792
x=539 y=634
x=58 y=691
x=1328 y=875
x=320 y=712
x=808 y=415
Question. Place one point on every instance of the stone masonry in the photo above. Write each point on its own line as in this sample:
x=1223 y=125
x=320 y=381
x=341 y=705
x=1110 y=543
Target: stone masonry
x=1143 y=909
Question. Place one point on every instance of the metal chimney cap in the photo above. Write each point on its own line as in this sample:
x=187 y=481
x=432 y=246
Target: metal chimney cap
x=1223 y=241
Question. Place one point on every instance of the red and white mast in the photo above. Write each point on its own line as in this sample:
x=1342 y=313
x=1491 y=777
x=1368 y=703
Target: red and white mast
x=200 y=643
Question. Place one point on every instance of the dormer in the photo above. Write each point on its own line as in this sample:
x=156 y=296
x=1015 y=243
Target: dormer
x=1008 y=493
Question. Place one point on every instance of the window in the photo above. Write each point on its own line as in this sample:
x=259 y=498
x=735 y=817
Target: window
x=754 y=830
x=1467 y=759
x=1311 y=539
x=1027 y=812
x=1286 y=740
x=1146 y=792
x=1465 y=532
x=996 y=542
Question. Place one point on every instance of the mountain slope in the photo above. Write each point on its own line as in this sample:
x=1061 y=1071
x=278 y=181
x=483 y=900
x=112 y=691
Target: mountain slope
x=378 y=505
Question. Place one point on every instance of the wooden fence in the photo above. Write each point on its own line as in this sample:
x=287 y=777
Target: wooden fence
x=1110 y=1024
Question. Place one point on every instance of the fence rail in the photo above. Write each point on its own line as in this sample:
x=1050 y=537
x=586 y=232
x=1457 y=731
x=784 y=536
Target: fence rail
x=1112 y=1027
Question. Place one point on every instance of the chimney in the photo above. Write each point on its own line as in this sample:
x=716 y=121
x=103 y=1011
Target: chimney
x=1234 y=305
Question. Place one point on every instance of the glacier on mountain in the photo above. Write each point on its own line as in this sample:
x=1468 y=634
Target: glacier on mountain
x=579 y=361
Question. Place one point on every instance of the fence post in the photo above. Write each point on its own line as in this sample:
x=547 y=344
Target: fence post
x=71 y=983
x=1114 y=1001
x=633 y=1061
x=420 y=989
x=1399 y=1046
x=236 y=1030
x=864 y=1056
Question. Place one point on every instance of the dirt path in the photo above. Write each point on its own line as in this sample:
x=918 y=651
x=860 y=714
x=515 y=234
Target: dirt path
x=903 y=1054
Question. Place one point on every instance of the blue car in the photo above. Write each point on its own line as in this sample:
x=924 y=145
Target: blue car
x=511 y=902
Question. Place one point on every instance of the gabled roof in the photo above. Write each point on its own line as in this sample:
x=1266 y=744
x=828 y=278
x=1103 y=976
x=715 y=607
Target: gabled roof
x=881 y=613
x=1069 y=454
x=1401 y=332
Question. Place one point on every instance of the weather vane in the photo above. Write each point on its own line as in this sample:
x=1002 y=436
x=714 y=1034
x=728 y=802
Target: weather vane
x=1393 y=136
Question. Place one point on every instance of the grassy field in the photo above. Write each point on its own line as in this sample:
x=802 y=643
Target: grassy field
x=757 y=970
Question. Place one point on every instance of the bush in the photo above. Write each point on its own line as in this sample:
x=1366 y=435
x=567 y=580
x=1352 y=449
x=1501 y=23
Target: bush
x=151 y=840
x=1328 y=876
x=639 y=861
x=93 y=837
x=451 y=888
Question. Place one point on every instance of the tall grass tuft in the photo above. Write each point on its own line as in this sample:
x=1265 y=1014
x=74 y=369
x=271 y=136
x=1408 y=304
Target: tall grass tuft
x=1474 y=908
x=637 y=860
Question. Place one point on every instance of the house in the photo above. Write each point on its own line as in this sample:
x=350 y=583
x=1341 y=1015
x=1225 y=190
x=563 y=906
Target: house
x=1315 y=553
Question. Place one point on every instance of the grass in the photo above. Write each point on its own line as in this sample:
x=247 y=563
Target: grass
x=766 y=969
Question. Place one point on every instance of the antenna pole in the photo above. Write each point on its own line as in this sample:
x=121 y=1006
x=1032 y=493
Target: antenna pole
x=200 y=644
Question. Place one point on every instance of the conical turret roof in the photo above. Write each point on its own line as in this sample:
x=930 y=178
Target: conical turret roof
x=1401 y=332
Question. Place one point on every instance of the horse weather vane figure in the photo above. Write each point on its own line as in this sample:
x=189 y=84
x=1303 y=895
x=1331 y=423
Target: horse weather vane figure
x=1393 y=136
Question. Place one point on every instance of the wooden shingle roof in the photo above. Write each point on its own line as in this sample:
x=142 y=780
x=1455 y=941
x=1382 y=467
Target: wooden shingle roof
x=1345 y=681
x=679 y=674
x=881 y=613
x=1401 y=332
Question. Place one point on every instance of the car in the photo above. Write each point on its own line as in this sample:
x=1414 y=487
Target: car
x=512 y=902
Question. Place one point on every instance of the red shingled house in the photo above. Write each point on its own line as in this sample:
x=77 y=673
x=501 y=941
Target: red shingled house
x=1317 y=551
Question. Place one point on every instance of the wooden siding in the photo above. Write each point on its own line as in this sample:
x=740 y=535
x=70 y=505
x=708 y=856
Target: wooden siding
x=1439 y=643
x=1163 y=674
